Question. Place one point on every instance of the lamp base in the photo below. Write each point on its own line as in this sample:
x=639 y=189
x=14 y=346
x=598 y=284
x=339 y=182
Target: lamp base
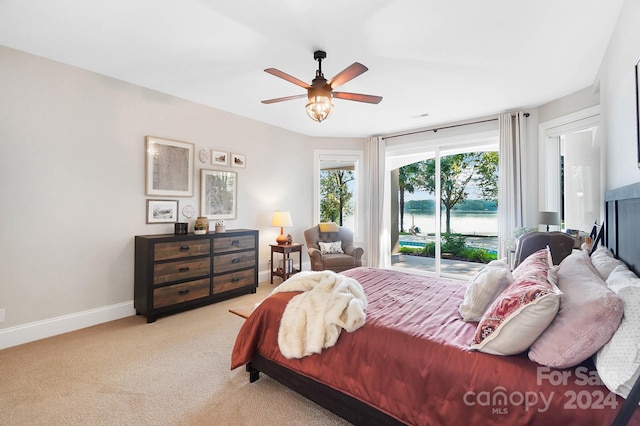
x=282 y=240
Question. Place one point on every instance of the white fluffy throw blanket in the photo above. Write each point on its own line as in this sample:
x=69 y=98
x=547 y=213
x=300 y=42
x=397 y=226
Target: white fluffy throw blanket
x=314 y=319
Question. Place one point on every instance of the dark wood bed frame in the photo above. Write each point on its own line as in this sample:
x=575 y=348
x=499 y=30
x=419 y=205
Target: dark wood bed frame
x=621 y=234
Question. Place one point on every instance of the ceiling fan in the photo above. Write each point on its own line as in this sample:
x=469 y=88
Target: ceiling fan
x=320 y=91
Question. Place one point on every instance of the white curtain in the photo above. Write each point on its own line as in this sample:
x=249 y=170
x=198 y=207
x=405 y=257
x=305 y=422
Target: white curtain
x=375 y=155
x=511 y=193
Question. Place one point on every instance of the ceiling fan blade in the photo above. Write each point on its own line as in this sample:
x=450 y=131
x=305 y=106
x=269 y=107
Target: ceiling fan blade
x=370 y=99
x=349 y=73
x=289 y=78
x=286 y=98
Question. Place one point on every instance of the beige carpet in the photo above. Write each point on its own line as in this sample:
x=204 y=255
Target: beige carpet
x=127 y=372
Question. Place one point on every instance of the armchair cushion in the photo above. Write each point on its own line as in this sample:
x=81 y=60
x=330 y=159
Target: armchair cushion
x=329 y=227
x=331 y=248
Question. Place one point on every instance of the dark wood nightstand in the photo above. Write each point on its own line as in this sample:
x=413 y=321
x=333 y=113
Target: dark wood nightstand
x=286 y=249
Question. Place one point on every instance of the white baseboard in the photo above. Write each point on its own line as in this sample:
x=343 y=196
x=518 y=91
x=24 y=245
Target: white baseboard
x=26 y=333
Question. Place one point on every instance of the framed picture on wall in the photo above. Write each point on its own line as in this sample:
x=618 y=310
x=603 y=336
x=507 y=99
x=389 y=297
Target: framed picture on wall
x=169 y=167
x=162 y=211
x=219 y=158
x=637 y=73
x=218 y=194
x=238 y=160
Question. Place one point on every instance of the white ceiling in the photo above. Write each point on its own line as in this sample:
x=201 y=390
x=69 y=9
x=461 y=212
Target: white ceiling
x=450 y=59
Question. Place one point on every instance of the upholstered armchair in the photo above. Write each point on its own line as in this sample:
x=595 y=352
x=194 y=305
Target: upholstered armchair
x=560 y=243
x=328 y=256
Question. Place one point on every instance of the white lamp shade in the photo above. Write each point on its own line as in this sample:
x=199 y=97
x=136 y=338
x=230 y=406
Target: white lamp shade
x=281 y=218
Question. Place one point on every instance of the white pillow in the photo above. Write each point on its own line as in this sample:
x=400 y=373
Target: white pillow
x=331 y=248
x=618 y=361
x=483 y=288
x=620 y=277
x=604 y=261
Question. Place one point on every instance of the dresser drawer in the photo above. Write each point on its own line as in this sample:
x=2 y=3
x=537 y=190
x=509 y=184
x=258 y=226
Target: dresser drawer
x=180 y=249
x=233 y=261
x=233 y=280
x=231 y=243
x=181 y=270
x=178 y=293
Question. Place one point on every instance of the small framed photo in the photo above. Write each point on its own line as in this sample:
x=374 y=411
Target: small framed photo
x=238 y=160
x=169 y=167
x=162 y=211
x=218 y=194
x=219 y=158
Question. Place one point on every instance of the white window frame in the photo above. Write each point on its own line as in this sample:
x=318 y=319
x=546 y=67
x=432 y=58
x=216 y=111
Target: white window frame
x=549 y=153
x=357 y=156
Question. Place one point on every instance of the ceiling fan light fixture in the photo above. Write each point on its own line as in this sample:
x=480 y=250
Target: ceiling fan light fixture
x=319 y=107
x=320 y=92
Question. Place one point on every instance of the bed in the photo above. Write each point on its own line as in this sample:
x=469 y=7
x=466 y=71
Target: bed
x=411 y=362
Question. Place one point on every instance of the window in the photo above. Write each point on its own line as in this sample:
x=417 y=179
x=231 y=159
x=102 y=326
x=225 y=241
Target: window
x=427 y=211
x=338 y=187
x=570 y=169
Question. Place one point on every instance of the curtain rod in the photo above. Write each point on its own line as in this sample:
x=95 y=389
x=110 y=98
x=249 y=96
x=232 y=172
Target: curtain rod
x=526 y=114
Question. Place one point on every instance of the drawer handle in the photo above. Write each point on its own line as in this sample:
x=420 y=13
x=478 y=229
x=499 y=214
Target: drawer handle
x=184 y=269
x=235 y=243
x=185 y=248
x=183 y=292
x=235 y=280
x=236 y=260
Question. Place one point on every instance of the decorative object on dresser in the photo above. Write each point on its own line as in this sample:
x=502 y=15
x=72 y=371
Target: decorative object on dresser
x=180 y=228
x=169 y=167
x=220 y=226
x=284 y=269
x=201 y=226
x=281 y=219
x=179 y=272
x=218 y=194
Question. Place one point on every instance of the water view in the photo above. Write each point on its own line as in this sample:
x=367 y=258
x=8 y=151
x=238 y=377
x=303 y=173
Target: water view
x=476 y=223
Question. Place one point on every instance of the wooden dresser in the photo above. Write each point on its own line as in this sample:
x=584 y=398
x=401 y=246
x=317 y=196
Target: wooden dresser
x=178 y=272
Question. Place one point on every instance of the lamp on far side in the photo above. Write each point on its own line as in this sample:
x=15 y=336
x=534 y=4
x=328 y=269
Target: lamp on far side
x=549 y=218
x=281 y=219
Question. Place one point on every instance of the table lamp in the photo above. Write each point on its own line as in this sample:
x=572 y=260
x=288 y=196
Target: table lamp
x=549 y=218
x=281 y=219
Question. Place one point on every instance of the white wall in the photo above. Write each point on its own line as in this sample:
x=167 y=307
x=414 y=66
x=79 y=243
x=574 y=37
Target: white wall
x=618 y=99
x=72 y=146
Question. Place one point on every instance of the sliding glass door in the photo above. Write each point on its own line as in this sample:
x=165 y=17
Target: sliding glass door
x=446 y=209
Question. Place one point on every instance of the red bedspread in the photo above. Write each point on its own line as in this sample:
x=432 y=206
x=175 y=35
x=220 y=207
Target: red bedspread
x=411 y=361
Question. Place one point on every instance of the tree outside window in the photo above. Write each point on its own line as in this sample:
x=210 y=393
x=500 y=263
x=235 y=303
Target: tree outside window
x=336 y=195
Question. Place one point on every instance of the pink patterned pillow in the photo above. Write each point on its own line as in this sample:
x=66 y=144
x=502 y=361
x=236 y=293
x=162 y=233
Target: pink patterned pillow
x=521 y=312
x=536 y=264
